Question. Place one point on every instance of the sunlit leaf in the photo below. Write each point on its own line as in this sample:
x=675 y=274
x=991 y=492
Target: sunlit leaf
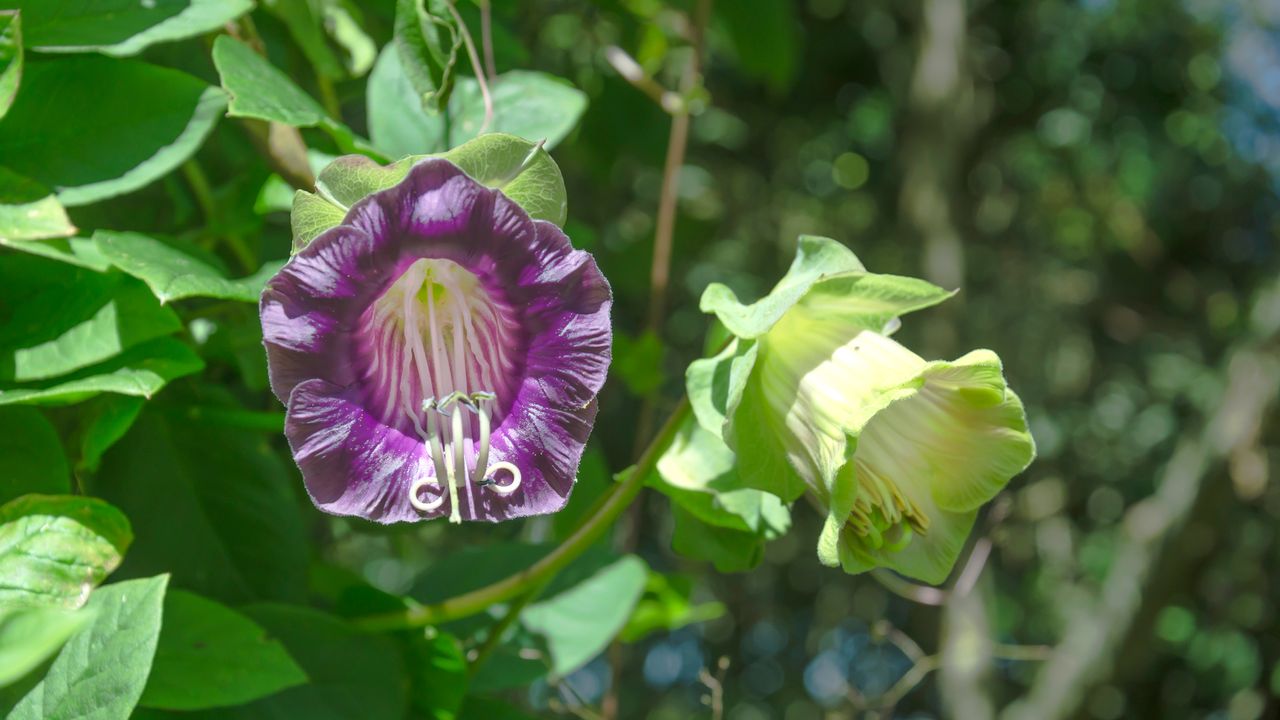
x=10 y=58
x=102 y=669
x=54 y=549
x=173 y=274
x=29 y=210
x=29 y=636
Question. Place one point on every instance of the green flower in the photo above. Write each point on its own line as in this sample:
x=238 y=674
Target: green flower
x=813 y=396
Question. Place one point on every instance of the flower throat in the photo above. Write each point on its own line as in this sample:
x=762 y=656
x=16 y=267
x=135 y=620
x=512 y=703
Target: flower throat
x=440 y=349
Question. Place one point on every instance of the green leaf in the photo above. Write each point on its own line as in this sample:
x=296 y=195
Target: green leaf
x=398 y=125
x=764 y=39
x=352 y=674
x=105 y=420
x=666 y=606
x=29 y=211
x=259 y=90
x=580 y=621
x=306 y=26
x=173 y=274
x=531 y=105
x=54 y=549
x=427 y=43
x=29 y=636
x=81 y=252
x=31 y=457
x=93 y=144
x=212 y=656
x=697 y=471
x=140 y=371
x=101 y=671
x=816 y=258
x=438 y=675
x=121 y=27
x=72 y=318
x=10 y=58
x=727 y=549
x=522 y=170
x=214 y=505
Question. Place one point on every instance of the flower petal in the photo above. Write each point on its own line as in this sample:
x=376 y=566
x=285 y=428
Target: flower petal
x=351 y=463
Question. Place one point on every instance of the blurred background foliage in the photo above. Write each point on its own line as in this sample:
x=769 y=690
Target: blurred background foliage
x=1099 y=177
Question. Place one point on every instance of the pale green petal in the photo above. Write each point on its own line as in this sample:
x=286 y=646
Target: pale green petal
x=803 y=401
x=816 y=257
x=950 y=439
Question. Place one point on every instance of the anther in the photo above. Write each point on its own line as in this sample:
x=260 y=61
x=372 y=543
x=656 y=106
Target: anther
x=455 y=472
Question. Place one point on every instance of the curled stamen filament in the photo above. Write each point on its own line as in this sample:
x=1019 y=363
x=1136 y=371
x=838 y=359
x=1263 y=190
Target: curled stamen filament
x=456 y=472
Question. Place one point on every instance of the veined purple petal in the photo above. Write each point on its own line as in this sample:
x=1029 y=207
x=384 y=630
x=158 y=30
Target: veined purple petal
x=434 y=303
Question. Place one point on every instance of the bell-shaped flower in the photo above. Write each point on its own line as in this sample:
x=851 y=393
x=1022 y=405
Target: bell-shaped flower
x=439 y=353
x=812 y=396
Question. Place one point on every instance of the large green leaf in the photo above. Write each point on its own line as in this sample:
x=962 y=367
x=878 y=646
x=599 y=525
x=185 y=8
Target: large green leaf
x=28 y=636
x=31 y=456
x=574 y=618
x=54 y=549
x=580 y=621
x=352 y=674
x=531 y=105
x=101 y=671
x=173 y=274
x=65 y=132
x=140 y=371
x=213 y=505
x=62 y=319
x=29 y=210
x=121 y=27
x=212 y=656
x=259 y=90
x=10 y=58
x=667 y=605
x=522 y=170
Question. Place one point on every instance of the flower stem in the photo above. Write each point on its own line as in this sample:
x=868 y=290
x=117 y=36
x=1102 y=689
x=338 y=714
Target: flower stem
x=597 y=520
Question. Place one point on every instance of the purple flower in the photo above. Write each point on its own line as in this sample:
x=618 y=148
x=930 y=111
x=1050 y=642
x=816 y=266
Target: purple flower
x=439 y=353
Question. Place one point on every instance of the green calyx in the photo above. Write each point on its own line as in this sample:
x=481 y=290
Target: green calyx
x=521 y=169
